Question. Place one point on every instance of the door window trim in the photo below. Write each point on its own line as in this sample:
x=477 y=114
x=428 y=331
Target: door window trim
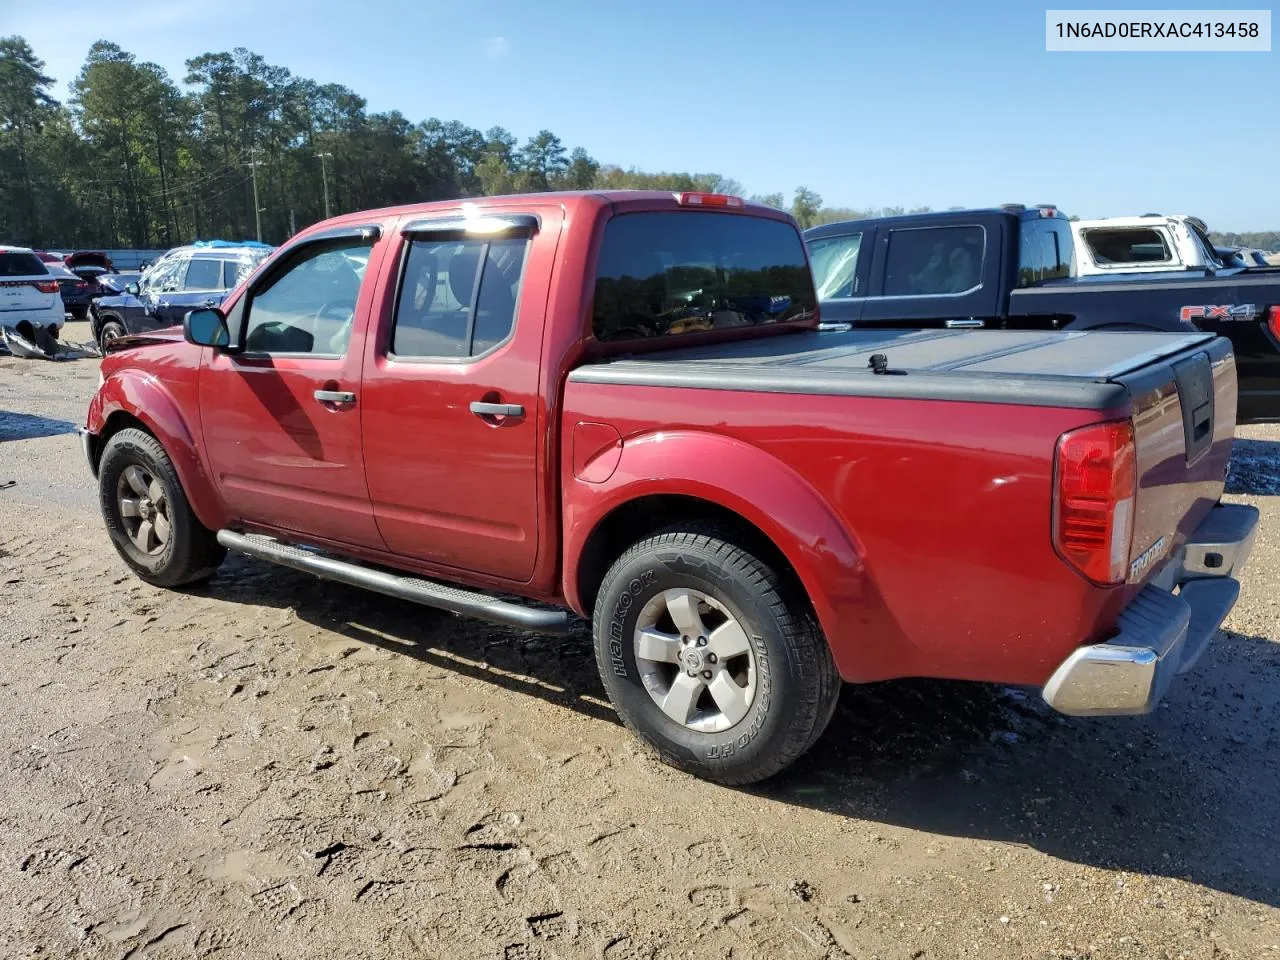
x=511 y=226
x=982 y=266
x=370 y=233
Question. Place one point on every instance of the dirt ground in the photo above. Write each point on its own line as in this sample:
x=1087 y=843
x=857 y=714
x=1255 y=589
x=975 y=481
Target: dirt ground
x=271 y=766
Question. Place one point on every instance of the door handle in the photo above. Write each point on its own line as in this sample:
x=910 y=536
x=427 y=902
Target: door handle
x=211 y=302
x=481 y=409
x=335 y=396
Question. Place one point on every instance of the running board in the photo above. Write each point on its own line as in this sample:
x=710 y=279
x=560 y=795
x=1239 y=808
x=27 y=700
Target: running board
x=426 y=592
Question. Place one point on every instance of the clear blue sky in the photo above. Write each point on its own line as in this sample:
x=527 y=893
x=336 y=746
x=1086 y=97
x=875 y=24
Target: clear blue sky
x=871 y=104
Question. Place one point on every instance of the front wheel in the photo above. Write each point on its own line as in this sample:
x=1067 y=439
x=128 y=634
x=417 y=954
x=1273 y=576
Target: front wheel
x=148 y=517
x=710 y=658
x=111 y=330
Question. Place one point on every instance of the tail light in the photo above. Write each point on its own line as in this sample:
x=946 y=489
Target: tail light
x=1273 y=323
x=1096 y=486
x=47 y=286
x=709 y=200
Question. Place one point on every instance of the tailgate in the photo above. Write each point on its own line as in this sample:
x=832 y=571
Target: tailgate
x=1184 y=412
x=22 y=295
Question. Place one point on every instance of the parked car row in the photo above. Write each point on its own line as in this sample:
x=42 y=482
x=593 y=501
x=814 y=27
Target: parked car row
x=199 y=275
x=1030 y=268
x=638 y=418
x=39 y=288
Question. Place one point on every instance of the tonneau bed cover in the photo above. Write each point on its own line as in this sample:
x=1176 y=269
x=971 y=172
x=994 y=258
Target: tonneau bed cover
x=1061 y=368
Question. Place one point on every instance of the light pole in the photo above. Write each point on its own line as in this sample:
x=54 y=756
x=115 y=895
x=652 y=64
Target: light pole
x=257 y=210
x=324 y=176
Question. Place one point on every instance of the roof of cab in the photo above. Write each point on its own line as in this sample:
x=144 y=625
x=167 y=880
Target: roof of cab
x=1029 y=212
x=571 y=199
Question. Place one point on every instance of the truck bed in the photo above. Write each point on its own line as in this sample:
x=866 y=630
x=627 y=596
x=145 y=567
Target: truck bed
x=1076 y=369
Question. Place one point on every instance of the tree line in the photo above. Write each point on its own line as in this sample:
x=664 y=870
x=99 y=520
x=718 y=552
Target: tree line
x=133 y=160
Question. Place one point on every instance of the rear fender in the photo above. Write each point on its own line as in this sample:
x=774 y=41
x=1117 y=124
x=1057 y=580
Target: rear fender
x=760 y=489
x=144 y=397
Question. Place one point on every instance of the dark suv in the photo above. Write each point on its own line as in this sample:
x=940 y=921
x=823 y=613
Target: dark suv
x=182 y=280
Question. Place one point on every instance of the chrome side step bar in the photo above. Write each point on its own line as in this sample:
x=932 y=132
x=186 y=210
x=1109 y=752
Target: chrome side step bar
x=426 y=592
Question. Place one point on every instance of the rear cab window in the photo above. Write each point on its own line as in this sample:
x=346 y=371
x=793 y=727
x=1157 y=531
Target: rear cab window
x=1046 y=251
x=666 y=273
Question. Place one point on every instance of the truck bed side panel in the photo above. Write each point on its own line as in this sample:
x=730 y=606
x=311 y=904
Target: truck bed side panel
x=948 y=501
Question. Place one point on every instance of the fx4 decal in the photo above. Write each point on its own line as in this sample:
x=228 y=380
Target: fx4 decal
x=1226 y=311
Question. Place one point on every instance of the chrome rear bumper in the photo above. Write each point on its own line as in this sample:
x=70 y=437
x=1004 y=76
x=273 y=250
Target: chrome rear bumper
x=1161 y=633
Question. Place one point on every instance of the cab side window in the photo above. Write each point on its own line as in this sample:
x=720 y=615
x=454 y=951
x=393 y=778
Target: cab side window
x=835 y=265
x=457 y=297
x=309 y=305
x=934 y=261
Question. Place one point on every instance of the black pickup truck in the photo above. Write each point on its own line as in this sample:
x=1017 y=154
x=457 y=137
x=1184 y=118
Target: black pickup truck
x=1013 y=268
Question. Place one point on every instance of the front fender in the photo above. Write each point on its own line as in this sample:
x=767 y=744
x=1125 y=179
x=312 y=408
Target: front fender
x=145 y=397
x=763 y=491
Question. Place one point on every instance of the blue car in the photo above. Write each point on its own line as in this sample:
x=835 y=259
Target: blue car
x=200 y=275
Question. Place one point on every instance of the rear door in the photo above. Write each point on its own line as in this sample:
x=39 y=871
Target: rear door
x=155 y=294
x=949 y=273
x=452 y=409
x=200 y=286
x=281 y=419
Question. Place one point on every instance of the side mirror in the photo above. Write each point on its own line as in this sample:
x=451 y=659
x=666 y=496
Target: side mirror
x=132 y=289
x=207 y=328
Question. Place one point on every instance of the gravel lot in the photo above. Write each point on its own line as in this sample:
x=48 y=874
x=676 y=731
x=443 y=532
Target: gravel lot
x=272 y=766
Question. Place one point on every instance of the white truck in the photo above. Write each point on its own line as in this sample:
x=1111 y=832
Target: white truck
x=1152 y=243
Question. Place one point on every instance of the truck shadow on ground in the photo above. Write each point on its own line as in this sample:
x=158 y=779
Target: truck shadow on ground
x=1255 y=467
x=27 y=426
x=1188 y=792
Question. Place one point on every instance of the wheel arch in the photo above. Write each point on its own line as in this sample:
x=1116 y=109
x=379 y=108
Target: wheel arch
x=688 y=476
x=128 y=399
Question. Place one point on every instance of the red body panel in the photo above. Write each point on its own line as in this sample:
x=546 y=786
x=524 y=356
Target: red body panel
x=162 y=392
x=952 y=573
x=919 y=528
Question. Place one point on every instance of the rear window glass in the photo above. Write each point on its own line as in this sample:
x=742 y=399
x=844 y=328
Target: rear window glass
x=443 y=311
x=934 y=261
x=662 y=274
x=204 y=275
x=1139 y=245
x=21 y=264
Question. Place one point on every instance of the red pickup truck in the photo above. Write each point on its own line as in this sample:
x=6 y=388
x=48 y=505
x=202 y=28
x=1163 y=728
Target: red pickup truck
x=622 y=405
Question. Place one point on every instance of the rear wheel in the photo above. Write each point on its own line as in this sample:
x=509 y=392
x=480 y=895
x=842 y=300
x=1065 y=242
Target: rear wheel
x=711 y=658
x=147 y=514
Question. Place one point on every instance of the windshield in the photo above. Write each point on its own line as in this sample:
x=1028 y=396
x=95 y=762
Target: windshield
x=668 y=273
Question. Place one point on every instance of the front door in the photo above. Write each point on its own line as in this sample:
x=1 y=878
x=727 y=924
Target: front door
x=155 y=294
x=452 y=401
x=201 y=286
x=281 y=419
